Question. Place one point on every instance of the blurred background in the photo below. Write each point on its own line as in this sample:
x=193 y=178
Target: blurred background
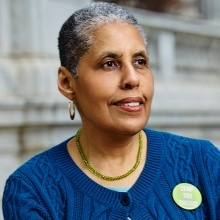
x=184 y=50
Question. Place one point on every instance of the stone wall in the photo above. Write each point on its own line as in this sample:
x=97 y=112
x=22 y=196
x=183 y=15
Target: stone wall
x=33 y=115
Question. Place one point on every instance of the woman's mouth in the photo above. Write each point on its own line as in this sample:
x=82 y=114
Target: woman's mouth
x=130 y=104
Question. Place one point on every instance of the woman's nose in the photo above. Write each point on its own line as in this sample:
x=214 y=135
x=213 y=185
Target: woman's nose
x=129 y=77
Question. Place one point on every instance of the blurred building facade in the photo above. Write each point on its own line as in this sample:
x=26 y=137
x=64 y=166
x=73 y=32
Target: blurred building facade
x=184 y=50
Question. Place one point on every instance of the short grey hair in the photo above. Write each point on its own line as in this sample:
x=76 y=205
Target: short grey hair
x=76 y=34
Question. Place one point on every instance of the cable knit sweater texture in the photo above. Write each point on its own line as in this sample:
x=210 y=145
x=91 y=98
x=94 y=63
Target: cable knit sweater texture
x=51 y=186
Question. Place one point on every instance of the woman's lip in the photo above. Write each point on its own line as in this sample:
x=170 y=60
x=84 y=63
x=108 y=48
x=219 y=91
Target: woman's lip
x=128 y=100
x=130 y=108
x=130 y=104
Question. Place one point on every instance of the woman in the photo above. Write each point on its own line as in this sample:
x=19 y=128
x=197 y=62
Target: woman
x=113 y=168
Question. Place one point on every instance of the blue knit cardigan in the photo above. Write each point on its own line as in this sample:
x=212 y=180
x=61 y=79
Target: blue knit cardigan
x=51 y=186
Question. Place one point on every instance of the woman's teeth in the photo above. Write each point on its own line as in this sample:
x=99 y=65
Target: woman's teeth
x=131 y=104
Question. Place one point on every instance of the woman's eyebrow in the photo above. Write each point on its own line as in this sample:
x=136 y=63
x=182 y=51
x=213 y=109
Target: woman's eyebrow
x=109 y=54
x=140 y=53
x=117 y=55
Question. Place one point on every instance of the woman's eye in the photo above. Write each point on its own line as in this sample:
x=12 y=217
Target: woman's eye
x=140 y=63
x=109 y=65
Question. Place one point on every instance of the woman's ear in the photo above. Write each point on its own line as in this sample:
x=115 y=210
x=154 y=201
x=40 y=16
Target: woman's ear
x=65 y=83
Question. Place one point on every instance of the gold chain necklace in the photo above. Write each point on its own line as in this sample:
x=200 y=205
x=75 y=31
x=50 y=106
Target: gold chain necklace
x=101 y=176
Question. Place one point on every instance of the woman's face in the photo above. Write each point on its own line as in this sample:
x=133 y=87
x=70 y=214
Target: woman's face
x=114 y=89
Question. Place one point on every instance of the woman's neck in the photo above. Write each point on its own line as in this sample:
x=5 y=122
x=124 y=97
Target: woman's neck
x=110 y=146
x=111 y=156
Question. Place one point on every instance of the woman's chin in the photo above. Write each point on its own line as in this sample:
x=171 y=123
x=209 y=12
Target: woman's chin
x=129 y=128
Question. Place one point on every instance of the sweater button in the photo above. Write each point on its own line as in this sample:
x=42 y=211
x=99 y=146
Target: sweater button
x=125 y=201
x=128 y=218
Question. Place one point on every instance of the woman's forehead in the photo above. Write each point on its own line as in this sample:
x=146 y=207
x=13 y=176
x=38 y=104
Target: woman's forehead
x=115 y=38
x=115 y=35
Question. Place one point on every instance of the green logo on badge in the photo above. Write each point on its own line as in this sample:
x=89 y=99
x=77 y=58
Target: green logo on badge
x=187 y=196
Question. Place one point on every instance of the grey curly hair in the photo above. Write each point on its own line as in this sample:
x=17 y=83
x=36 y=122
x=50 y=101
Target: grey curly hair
x=76 y=35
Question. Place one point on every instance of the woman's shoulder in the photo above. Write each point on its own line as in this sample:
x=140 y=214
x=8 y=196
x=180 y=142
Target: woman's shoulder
x=182 y=148
x=28 y=191
x=182 y=141
x=40 y=165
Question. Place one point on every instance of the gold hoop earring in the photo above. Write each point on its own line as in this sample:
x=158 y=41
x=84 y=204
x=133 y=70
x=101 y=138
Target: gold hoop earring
x=71 y=112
